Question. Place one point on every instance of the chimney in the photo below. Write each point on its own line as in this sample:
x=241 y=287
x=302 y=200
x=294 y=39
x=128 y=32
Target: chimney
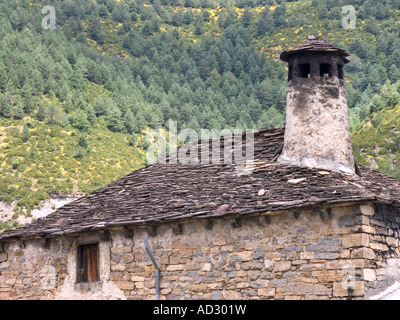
x=317 y=132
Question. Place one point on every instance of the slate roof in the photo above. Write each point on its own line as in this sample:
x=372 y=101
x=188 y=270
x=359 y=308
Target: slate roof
x=316 y=44
x=161 y=193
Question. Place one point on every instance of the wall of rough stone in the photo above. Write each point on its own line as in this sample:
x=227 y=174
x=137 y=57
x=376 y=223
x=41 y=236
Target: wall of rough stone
x=312 y=104
x=383 y=237
x=303 y=254
x=31 y=269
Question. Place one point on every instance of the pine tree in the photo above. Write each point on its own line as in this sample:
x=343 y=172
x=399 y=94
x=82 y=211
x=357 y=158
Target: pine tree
x=82 y=147
x=114 y=119
x=18 y=110
x=129 y=121
x=36 y=80
x=53 y=114
x=3 y=78
x=120 y=13
x=94 y=29
x=42 y=111
x=147 y=29
x=279 y=15
x=25 y=133
x=78 y=119
x=247 y=17
x=5 y=107
x=265 y=23
x=133 y=139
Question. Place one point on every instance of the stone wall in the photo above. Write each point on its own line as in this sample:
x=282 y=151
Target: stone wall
x=304 y=254
x=384 y=246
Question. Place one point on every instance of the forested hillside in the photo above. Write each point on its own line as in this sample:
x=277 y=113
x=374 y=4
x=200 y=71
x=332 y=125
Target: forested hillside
x=76 y=101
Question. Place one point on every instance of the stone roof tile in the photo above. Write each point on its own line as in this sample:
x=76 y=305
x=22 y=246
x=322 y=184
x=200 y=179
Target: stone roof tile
x=166 y=192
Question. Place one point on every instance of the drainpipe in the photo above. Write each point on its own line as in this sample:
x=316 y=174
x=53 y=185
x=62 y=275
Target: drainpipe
x=146 y=245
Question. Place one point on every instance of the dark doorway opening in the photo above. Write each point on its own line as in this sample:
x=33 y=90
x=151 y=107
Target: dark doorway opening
x=88 y=263
x=340 y=71
x=325 y=70
x=304 y=70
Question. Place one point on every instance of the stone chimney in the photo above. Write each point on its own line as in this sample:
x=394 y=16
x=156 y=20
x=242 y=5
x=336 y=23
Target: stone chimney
x=317 y=131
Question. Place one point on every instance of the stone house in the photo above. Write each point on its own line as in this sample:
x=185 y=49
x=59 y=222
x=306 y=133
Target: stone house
x=305 y=222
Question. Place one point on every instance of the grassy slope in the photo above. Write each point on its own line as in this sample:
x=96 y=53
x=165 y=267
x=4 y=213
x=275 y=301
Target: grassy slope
x=377 y=141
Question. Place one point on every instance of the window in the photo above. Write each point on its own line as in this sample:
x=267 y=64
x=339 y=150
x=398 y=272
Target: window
x=290 y=74
x=304 y=70
x=88 y=263
x=340 y=71
x=325 y=70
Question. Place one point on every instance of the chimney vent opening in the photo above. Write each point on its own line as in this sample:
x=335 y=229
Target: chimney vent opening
x=340 y=71
x=325 y=70
x=290 y=73
x=304 y=70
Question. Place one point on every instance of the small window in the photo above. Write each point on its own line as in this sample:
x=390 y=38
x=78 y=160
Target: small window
x=325 y=70
x=290 y=74
x=88 y=263
x=340 y=71
x=304 y=70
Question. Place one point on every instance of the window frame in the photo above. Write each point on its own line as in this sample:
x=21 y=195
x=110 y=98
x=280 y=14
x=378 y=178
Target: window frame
x=88 y=263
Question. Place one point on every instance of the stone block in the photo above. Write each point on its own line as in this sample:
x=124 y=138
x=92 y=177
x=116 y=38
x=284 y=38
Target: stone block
x=198 y=287
x=260 y=283
x=219 y=240
x=127 y=257
x=326 y=255
x=268 y=264
x=390 y=241
x=139 y=285
x=118 y=267
x=306 y=288
x=242 y=256
x=311 y=266
x=166 y=291
x=259 y=255
x=305 y=280
x=164 y=259
x=340 y=289
x=379 y=246
x=346 y=221
x=369 y=275
x=307 y=255
x=125 y=285
x=3 y=256
x=366 y=253
x=242 y=285
x=216 y=295
x=344 y=263
x=367 y=209
x=4 y=265
x=231 y=295
x=364 y=229
x=138 y=279
x=282 y=266
x=266 y=292
x=327 y=276
x=355 y=240
x=175 y=267
x=298 y=262
x=206 y=267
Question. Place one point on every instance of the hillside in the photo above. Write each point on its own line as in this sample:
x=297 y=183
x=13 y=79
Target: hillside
x=75 y=102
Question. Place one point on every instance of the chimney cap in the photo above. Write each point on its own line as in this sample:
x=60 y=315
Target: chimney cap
x=314 y=44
